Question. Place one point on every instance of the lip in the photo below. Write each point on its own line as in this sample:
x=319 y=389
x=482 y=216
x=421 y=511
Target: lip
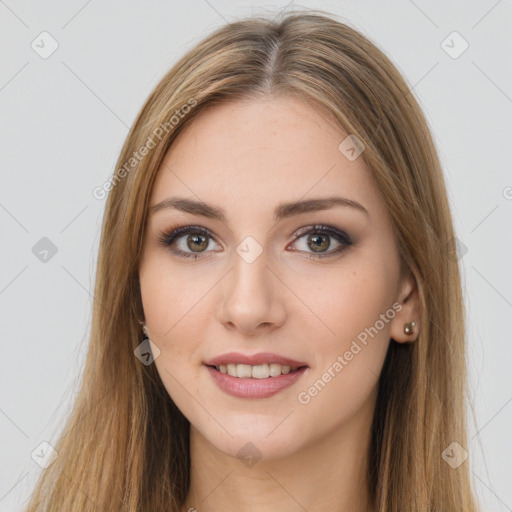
x=254 y=388
x=253 y=360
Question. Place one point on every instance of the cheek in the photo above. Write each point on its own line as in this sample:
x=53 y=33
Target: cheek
x=167 y=309
x=162 y=312
x=177 y=312
x=346 y=300
x=169 y=296
x=350 y=354
x=352 y=337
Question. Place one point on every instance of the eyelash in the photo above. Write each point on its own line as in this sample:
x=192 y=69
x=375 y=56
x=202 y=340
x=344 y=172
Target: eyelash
x=167 y=239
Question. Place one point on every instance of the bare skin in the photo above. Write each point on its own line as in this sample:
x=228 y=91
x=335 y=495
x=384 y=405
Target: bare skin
x=308 y=450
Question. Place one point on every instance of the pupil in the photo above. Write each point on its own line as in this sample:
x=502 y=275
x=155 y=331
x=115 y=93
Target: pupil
x=317 y=242
x=197 y=243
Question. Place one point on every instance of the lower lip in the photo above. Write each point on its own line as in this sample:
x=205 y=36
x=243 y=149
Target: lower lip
x=254 y=388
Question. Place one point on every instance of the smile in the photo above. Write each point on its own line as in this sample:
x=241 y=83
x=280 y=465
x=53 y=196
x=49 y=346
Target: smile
x=254 y=376
x=260 y=371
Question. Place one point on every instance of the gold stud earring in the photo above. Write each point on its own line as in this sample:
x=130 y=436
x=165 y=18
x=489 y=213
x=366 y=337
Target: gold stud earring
x=409 y=327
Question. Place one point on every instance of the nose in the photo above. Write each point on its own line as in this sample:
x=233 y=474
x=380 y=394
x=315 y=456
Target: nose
x=252 y=298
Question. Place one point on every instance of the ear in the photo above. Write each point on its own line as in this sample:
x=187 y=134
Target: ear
x=408 y=297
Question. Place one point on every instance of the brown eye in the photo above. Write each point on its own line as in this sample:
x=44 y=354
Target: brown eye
x=197 y=242
x=318 y=243
x=191 y=241
x=319 y=238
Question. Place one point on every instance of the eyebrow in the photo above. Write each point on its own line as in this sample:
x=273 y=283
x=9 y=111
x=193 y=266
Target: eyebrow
x=282 y=211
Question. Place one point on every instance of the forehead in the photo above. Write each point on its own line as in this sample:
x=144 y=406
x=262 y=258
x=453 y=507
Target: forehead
x=253 y=154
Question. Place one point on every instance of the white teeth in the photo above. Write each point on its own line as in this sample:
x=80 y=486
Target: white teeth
x=259 y=371
x=285 y=369
x=243 y=370
x=275 y=370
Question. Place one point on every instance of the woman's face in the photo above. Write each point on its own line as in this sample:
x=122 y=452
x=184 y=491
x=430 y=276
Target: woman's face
x=262 y=281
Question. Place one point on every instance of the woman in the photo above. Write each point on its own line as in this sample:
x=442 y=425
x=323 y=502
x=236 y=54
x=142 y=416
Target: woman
x=278 y=229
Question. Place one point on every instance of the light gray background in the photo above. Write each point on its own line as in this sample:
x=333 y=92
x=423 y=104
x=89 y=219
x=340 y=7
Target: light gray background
x=63 y=120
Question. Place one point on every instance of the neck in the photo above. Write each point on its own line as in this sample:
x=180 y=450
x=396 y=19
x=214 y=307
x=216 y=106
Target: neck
x=328 y=474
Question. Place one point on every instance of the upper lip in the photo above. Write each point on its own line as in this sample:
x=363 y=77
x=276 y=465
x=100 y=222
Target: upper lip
x=253 y=360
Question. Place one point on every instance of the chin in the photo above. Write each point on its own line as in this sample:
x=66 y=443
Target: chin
x=251 y=440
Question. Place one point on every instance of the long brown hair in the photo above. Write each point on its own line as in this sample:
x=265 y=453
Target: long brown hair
x=125 y=444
